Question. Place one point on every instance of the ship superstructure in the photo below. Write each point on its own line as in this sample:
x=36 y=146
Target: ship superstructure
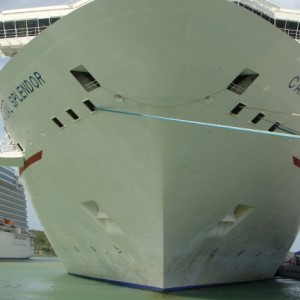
x=19 y=26
x=285 y=19
x=160 y=152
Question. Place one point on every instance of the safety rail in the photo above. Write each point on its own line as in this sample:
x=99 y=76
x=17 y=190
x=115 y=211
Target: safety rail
x=92 y=85
x=235 y=88
x=261 y=7
x=21 y=32
x=293 y=33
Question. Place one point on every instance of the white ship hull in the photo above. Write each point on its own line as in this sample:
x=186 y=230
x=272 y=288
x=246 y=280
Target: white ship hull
x=154 y=203
x=15 y=246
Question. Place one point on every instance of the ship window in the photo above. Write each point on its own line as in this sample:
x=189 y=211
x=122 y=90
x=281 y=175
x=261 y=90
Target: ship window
x=87 y=81
x=21 y=28
x=32 y=27
x=274 y=127
x=292 y=25
x=2 y=35
x=57 y=122
x=89 y=105
x=9 y=29
x=257 y=118
x=281 y=24
x=72 y=114
x=43 y=23
x=237 y=109
x=240 y=84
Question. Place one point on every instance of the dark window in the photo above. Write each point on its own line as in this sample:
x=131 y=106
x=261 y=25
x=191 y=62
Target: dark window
x=237 y=109
x=274 y=127
x=2 y=33
x=280 y=24
x=32 y=26
x=257 y=118
x=72 y=114
x=43 y=23
x=57 y=122
x=10 y=30
x=89 y=105
x=87 y=81
x=292 y=25
x=21 y=28
x=242 y=81
x=266 y=17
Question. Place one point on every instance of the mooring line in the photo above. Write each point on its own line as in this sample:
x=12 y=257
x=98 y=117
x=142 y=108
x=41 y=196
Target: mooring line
x=197 y=123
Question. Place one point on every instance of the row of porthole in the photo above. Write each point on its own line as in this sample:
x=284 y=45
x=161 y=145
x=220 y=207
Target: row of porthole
x=73 y=114
x=240 y=106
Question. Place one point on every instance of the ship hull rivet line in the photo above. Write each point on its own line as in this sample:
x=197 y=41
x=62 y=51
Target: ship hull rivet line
x=197 y=123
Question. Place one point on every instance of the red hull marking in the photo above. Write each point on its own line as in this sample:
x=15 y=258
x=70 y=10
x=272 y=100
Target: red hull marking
x=296 y=161
x=31 y=160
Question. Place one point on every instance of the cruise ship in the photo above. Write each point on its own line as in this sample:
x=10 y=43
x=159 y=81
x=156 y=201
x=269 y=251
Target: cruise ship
x=158 y=139
x=15 y=240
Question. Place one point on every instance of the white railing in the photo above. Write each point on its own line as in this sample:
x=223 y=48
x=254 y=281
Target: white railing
x=293 y=33
x=261 y=6
x=21 y=32
x=235 y=88
x=91 y=85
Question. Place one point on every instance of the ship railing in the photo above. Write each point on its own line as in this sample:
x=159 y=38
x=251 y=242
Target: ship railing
x=236 y=88
x=21 y=32
x=293 y=33
x=91 y=85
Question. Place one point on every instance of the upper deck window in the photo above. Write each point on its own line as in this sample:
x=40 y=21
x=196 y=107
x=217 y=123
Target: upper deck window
x=32 y=27
x=292 y=28
x=43 y=23
x=22 y=28
x=9 y=28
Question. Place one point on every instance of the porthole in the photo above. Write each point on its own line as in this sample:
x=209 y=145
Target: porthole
x=58 y=122
x=72 y=114
x=237 y=109
x=89 y=105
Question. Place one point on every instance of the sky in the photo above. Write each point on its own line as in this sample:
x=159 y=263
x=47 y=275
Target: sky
x=12 y=4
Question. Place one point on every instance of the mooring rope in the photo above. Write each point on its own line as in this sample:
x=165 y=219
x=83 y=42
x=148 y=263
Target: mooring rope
x=197 y=123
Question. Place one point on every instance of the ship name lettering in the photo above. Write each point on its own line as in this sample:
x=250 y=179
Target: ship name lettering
x=25 y=88
x=295 y=85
